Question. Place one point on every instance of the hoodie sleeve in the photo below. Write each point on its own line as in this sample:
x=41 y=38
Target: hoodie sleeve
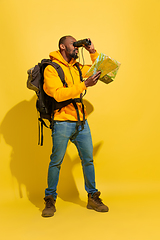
x=54 y=87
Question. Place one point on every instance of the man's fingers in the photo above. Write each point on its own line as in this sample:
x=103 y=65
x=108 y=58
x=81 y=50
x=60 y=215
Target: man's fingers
x=97 y=75
x=93 y=79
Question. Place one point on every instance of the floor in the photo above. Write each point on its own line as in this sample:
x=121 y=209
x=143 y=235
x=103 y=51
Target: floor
x=132 y=216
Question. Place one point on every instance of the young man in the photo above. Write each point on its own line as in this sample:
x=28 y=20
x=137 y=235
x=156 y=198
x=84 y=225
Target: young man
x=65 y=126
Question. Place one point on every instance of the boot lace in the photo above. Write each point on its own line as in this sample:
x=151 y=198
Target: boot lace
x=97 y=199
x=49 y=203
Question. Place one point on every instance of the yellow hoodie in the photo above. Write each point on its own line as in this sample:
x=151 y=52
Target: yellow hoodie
x=53 y=85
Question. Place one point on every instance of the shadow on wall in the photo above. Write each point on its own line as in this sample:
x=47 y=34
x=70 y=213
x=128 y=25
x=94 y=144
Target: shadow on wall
x=29 y=162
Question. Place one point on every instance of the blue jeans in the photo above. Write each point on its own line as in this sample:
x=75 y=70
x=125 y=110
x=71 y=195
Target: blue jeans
x=63 y=132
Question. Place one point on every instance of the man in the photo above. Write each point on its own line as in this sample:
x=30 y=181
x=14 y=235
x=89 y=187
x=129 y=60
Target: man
x=65 y=126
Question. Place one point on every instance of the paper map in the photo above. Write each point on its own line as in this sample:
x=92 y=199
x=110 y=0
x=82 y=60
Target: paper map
x=108 y=67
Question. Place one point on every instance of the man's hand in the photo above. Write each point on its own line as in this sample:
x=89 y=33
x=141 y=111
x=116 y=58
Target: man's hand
x=91 y=81
x=90 y=48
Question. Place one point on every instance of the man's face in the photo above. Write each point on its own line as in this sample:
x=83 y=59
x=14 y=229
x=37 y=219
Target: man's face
x=70 y=49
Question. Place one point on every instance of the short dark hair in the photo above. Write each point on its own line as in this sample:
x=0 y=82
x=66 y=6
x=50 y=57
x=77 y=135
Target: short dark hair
x=62 y=39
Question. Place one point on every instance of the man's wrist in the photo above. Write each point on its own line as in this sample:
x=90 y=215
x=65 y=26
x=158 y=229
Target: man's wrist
x=92 y=51
x=85 y=82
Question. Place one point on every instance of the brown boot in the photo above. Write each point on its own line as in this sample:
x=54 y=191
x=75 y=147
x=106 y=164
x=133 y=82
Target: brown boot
x=49 y=209
x=94 y=202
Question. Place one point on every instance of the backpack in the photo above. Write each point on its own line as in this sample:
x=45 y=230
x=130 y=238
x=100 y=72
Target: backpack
x=45 y=104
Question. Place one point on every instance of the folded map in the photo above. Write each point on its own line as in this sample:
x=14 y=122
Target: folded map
x=108 y=67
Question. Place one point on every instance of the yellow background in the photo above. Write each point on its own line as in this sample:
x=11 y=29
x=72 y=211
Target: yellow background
x=124 y=118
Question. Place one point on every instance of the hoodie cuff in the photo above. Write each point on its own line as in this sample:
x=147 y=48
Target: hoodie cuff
x=94 y=56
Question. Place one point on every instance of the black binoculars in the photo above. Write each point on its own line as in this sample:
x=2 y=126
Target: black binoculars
x=81 y=43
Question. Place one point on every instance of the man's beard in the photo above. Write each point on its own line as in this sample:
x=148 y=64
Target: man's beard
x=73 y=54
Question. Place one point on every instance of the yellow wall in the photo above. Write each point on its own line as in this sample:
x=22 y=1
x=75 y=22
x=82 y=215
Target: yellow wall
x=125 y=119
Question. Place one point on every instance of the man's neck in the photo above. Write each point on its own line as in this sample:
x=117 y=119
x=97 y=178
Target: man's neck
x=67 y=58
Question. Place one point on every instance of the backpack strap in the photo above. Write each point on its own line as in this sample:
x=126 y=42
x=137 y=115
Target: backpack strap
x=80 y=74
x=60 y=72
x=81 y=96
x=40 y=128
x=58 y=68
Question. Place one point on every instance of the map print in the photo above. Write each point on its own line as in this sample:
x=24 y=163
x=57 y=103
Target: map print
x=108 y=67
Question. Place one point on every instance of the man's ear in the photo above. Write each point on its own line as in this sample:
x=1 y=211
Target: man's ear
x=62 y=46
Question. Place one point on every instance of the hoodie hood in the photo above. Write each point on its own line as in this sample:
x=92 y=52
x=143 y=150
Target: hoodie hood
x=56 y=56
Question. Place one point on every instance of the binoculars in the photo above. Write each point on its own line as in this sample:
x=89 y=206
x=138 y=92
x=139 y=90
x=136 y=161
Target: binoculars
x=81 y=43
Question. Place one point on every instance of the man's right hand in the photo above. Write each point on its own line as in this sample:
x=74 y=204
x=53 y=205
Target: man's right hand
x=91 y=81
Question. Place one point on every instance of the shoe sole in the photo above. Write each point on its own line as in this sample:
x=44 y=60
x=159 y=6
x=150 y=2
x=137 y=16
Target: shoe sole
x=47 y=215
x=96 y=209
